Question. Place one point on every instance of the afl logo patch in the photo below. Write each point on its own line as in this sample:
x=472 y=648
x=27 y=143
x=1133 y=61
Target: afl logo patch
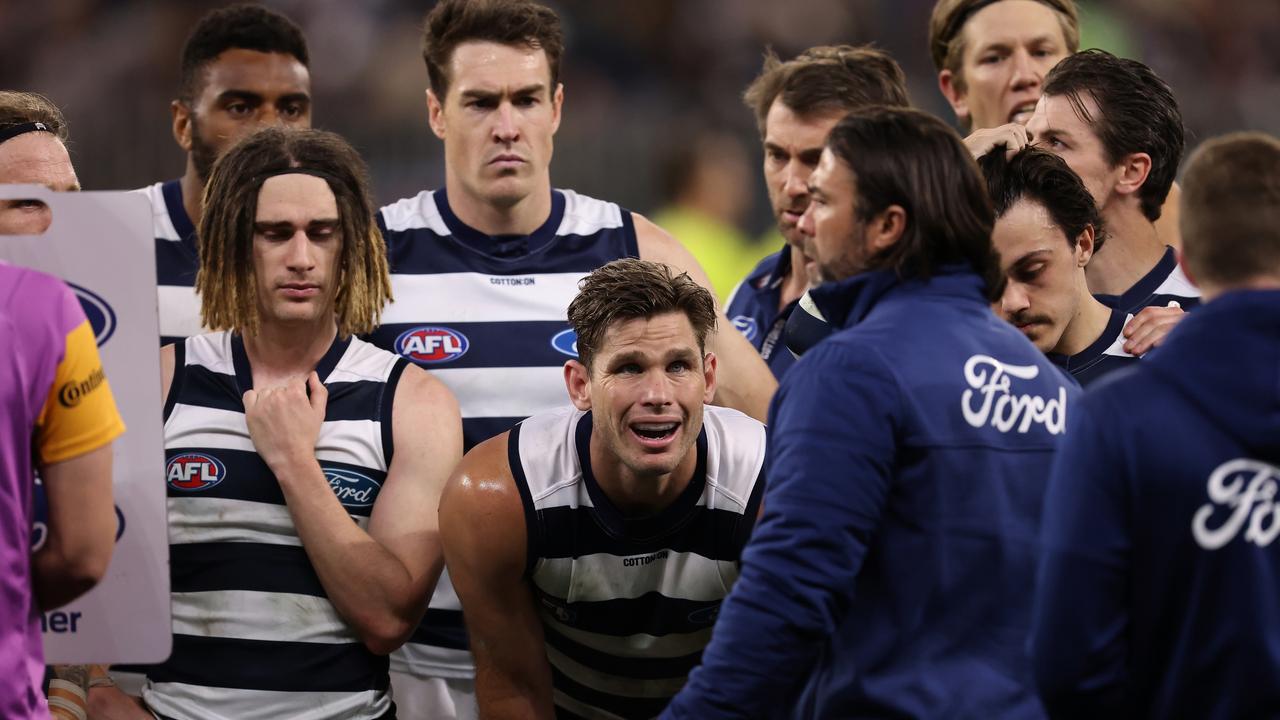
x=194 y=471
x=705 y=616
x=566 y=341
x=746 y=325
x=432 y=344
x=101 y=317
x=352 y=488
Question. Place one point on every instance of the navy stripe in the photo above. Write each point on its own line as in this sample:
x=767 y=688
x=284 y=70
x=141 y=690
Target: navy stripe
x=533 y=536
x=1100 y=368
x=639 y=668
x=176 y=263
x=171 y=340
x=386 y=406
x=488 y=344
x=269 y=665
x=442 y=628
x=420 y=251
x=571 y=532
x=205 y=388
x=172 y=193
x=750 y=514
x=477 y=430
x=626 y=707
x=204 y=567
x=179 y=374
x=247 y=477
x=652 y=614
x=359 y=400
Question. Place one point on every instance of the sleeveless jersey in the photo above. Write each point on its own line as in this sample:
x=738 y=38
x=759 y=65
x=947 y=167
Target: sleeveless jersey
x=254 y=634
x=627 y=603
x=487 y=315
x=176 y=263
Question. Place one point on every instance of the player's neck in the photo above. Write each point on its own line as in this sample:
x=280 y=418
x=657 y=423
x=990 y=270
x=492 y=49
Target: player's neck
x=1132 y=249
x=192 y=193
x=280 y=351
x=796 y=283
x=520 y=218
x=1085 y=328
x=634 y=494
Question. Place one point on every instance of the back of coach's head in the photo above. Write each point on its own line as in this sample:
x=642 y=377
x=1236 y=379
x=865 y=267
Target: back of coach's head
x=1230 y=217
x=911 y=159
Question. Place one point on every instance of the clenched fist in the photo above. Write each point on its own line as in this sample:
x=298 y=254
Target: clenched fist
x=284 y=422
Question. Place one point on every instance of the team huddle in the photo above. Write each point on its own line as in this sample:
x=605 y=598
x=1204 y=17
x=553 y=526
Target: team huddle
x=993 y=435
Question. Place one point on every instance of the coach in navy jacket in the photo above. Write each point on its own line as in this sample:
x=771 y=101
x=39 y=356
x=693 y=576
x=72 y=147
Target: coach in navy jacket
x=891 y=573
x=1160 y=591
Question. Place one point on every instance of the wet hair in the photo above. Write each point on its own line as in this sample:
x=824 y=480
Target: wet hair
x=1230 y=218
x=1045 y=179
x=946 y=26
x=243 y=26
x=20 y=108
x=631 y=289
x=911 y=159
x=226 y=280
x=828 y=78
x=1137 y=113
x=508 y=22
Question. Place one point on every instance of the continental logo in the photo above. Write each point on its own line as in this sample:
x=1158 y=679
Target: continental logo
x=70 y=394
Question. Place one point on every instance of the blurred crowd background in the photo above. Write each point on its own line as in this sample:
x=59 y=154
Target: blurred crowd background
x=653 y=116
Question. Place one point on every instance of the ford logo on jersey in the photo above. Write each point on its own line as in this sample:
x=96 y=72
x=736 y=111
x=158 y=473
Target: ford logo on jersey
x=566 y=341
x=746 y=326
x=352 y=488
x=101 y=317
x=194 y=471
x=432 y=344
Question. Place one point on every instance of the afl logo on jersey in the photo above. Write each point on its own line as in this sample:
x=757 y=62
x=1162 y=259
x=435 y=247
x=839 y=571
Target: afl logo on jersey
x=746 y=326
x=432 y=344
x=352 y=488
x=101 y=317
x=566 y=341
x=194 y=471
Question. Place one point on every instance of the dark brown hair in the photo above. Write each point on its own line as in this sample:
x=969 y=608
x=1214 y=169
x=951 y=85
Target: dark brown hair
x=1045 y=179
x=509 y=22
x=828 y=78
x=911 y=159
x=20 y=108
x=1230 y=217
x=226 y=281
x=1137 y=113
x=946 y=25
x=630 y=289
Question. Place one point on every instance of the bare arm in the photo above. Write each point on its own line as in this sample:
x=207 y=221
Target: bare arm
x=82 y=528
x=744 y=382
x=378 y=580
x=483 y=527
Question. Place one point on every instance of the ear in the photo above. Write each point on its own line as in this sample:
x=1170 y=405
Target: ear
x=1133 y=171
x=951 y=86
x=181 y=124
x=557 y=101
x=886 y=228
x=709 y=375
x=1084 y=246
x=435 y=114
x=577 y=380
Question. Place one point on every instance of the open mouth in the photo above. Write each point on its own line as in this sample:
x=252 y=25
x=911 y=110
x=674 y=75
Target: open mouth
x=655 y=433
x=1022 y=113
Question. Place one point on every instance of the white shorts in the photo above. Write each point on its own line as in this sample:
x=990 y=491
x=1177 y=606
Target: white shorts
x=419 y=698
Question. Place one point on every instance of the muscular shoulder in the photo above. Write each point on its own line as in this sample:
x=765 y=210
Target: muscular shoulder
x=481 y=512
x=418 y=387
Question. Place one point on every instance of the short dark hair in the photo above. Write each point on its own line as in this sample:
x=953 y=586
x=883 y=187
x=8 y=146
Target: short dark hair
x=243 y=26
x=911 y=159
x=630 y=289
x=1137 y=113
x=508 y=22
x=947 y=21
x=1230 y=217
x=827 y=78
x=20 y=108
x=1046 y=179
x=225 y=237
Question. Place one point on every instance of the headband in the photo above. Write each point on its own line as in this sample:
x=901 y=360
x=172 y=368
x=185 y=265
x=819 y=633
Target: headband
x=14 y=131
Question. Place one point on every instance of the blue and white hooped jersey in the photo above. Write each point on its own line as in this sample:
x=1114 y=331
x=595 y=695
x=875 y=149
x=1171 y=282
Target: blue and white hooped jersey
x=487 y=316
x=254 y=633
x=628 y=603
x=176 y=263
x=1164 y=285
x=1104 y=356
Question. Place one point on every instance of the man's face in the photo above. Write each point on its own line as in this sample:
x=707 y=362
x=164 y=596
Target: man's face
x=832 y=234
x=497 y=121
x=296 y=244
x=242 y=91
x=1009 y=47
x=1057 y=128
x=648 y=384
x=792 y=145
x=1045 y=274
x=34 y=158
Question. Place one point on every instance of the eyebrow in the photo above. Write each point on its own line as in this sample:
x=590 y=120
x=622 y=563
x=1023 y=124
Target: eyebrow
x=266 y=225
x=629 y=356
x=1030 y=257
x=518 y=92
x=1004 y=44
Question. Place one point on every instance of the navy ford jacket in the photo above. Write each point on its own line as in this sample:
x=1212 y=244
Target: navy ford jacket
x=1159 y=595
x=891 y=573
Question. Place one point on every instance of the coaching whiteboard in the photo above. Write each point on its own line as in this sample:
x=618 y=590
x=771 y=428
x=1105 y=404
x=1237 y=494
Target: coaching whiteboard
x=101 y=244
